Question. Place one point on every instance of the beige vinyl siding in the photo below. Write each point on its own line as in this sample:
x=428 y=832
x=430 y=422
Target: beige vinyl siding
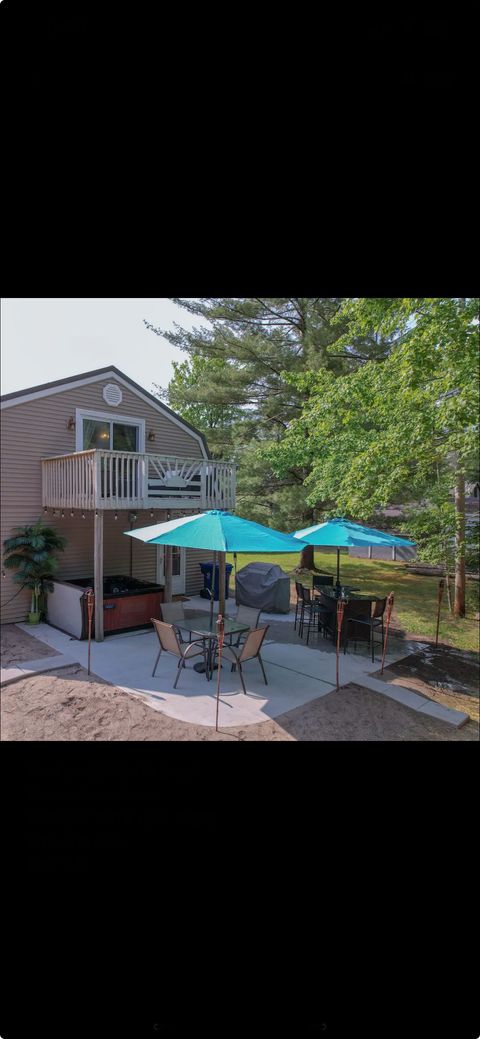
x=193 y=574
x=36 y=429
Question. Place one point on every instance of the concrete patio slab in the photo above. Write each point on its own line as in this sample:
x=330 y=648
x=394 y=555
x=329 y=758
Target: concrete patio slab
x=128 y=664
x=34 y=667
x=10 y=674
x=296 y=676
x=445 y=714
x=322 y=663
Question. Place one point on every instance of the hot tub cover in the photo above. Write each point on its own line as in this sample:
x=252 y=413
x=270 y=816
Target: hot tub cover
x=265 y=586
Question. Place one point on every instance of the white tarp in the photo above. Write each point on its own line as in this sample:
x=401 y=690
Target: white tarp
x=264 y=586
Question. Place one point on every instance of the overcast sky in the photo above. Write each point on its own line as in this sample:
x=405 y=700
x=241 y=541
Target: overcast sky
x=48 y=339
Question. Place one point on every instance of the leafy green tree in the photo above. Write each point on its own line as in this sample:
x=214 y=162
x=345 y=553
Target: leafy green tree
x=30 y=551
x=390 y=432
x=250 y=345
x=193 y=393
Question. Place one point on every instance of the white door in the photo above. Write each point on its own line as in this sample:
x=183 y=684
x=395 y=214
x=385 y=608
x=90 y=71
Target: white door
x=178 y=568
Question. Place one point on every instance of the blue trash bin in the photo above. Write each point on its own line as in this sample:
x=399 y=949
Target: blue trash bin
x=207 y=571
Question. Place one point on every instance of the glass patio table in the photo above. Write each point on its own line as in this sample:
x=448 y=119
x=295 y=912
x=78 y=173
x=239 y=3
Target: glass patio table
x=200 y=624
x=334 y=593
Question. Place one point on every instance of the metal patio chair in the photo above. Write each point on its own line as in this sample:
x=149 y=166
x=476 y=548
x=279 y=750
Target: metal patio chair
x=245 y=615
x=249 y=651
x=174 y=613
x=322 y=580
x=362 y=621
x=313 y=610
x=328 y=614
x=170 y=643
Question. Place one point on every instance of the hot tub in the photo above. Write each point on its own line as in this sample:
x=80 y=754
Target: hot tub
x=128 y=604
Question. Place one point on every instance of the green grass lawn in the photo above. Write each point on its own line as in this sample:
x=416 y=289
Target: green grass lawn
x=415 y=596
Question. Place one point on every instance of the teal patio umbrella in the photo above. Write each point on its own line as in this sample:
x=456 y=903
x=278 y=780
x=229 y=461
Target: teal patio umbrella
x=342 y=533
x=220 y=532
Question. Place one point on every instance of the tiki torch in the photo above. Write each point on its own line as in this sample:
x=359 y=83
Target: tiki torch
x=90 y=602
x=390 y=602
x=441 y=587
x=340 y=612
x=220 y=637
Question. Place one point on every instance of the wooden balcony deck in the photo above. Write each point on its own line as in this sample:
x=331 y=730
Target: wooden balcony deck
x=126 y=480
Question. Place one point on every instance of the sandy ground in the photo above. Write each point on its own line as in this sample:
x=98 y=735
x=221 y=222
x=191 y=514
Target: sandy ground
x=68 y=704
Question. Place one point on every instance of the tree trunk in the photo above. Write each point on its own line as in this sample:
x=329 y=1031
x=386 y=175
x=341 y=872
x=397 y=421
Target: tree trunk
x=307 y=559
x=459 y=608
x=447 y=585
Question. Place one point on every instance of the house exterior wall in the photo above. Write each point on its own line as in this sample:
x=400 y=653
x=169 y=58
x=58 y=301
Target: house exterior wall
x=34 y=429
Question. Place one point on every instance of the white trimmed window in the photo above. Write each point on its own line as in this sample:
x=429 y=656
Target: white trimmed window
x=103 y=432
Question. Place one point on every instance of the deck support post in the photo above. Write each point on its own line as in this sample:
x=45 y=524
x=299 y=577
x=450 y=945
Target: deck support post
x=98 y=573
x=168 y=566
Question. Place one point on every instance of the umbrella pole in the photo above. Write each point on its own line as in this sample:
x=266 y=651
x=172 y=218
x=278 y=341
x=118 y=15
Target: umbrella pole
x=212 y=587
x=338 y=566
x=221 y=583
x=390 y=602
x=441 y=587
x=220 y=636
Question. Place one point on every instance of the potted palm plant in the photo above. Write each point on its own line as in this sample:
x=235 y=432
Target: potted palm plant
x=30 y=552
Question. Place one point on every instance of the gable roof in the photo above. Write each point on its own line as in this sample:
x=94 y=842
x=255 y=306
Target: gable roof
x=22 y=396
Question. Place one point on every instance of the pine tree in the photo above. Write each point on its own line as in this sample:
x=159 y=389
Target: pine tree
x=248 y=346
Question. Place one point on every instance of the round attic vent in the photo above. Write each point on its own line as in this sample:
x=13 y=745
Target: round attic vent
x=112 y=394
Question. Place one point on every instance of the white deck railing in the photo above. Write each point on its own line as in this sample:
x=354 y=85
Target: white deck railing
x=124 y=480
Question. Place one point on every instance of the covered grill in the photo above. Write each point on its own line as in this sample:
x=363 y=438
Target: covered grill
x=265 y=586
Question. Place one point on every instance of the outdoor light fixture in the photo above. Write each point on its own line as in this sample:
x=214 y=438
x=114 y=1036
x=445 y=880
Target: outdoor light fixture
x=83 y=515
x=71 y=423
x=116 y=515
x=151 y=513
x=45 y=511
x=151 y=435
x=72 y=513
x=63 y=514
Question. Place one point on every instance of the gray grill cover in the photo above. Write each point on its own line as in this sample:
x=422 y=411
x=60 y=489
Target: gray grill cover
x=264 y=586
